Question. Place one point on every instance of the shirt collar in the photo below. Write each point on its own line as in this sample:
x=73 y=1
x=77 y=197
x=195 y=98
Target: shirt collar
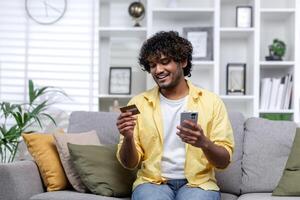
x=152 y=95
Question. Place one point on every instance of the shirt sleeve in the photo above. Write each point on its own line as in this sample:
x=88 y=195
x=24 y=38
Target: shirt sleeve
x=221 y=130
x=136 y=141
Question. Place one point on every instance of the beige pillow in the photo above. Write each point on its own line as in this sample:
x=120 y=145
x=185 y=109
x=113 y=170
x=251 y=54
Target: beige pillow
x=61 y=140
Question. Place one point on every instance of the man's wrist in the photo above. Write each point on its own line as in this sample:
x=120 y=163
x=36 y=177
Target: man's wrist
x=128 y=138
x=206 y=144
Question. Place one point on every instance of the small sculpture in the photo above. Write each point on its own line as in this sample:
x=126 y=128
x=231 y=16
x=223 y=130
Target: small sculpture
x=276 y=50
x=137 y=11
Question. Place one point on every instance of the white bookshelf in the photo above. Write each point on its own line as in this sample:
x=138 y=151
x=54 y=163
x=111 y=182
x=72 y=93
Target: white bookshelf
x=119 y=44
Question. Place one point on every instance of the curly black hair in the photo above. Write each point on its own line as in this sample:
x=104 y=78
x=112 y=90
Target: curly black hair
x=169 y=44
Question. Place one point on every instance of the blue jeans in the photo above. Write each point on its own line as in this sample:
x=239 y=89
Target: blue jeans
x=173 y=190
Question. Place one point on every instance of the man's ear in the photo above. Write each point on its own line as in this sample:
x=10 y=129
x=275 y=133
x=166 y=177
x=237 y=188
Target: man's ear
x=184 y=64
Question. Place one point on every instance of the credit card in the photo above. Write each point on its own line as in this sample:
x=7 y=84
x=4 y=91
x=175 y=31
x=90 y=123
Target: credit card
x=131 y=108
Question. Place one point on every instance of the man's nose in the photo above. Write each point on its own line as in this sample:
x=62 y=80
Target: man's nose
x=159 y=68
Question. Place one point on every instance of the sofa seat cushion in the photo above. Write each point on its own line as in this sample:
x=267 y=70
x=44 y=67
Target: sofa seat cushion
x=63 y=195
x=227 y=196
x=267 y=145
x=71 y=195
x=264 y=196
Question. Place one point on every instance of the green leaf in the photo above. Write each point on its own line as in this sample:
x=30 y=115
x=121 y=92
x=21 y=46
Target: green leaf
x=39 y=108
x=18 y=118
x=8 y=147
x=51 y=118
x=31 y=91
x=38 y=121
x=41 y=91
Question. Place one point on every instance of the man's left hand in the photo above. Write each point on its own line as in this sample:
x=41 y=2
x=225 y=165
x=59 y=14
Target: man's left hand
x=192 y=134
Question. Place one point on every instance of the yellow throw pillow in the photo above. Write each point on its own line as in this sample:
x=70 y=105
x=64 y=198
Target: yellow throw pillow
x=42 y=148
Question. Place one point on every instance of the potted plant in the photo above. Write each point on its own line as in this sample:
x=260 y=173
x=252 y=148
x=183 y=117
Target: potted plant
x=16 y=119
x=276 y=50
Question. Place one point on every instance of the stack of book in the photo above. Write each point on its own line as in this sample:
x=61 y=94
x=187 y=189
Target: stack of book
x=276 y=92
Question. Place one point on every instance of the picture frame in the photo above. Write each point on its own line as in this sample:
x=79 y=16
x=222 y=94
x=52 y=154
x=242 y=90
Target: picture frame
x=120 y=80
x=236 y=79
x=244 y=16
x=202 y=42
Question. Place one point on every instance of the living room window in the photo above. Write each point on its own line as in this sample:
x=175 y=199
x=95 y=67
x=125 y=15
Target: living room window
x=63 y=54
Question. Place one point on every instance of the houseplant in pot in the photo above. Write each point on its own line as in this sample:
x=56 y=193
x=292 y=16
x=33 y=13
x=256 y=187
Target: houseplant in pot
x=276 y=50
x=16 y=119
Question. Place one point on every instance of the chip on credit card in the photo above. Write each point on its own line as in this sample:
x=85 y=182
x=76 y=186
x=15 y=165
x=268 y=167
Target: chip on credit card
x=131 y=108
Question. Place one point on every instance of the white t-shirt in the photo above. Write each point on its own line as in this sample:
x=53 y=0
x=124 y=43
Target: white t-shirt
x=173 y=158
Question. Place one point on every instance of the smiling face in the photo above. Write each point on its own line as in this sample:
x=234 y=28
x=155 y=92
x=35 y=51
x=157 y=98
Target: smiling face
x=166 y=73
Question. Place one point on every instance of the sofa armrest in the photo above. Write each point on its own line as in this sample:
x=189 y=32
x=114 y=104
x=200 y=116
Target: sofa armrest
x=20 y=180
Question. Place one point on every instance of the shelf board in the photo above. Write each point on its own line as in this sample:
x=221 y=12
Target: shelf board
x=238 y=98
x=203 y=64
x=277 y=10
x=122 y=31
x=175 y=14
x=277 y=14
x=116 y=1
x=114 y=96
x=183 y=10
x=277 y=111
x=276 y=64
x=234 y=32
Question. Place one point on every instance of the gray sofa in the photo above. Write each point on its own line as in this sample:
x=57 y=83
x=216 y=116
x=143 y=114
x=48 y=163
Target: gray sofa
x=262 y=149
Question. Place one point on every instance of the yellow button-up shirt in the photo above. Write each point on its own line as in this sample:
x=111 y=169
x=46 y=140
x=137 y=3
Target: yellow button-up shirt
x=148 y=135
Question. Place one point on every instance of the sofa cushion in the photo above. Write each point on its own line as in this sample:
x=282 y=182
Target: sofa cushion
x=227 y=196
x=61 y=141
x=63 y=195
x=264 y=196
x=104 y=123
x=267 y=145
x=230 y=179
x=100 y=170
x=289 y=182
x=71 y=195
x=42 y=148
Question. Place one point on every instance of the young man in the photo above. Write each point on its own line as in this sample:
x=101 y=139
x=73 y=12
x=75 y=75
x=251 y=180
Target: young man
x=175 y=162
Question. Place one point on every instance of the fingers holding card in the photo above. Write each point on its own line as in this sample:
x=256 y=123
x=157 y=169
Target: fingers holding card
x=131 y=108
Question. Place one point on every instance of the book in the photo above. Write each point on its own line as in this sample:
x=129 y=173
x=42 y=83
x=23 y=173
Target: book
x=288 y=94
x=274 y=92
x=265 y=93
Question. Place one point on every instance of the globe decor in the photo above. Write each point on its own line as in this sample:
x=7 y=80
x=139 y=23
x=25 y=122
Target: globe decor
x=16 y=119
x=137 y=11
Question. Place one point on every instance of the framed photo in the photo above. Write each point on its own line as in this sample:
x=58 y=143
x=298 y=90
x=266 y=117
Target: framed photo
x=120 y=80
x=236 y=79
x=202 y=41
x=244 y=16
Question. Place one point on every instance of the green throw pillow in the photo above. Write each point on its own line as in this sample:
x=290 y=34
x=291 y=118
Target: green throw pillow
x=100 y=170
x=289 y=182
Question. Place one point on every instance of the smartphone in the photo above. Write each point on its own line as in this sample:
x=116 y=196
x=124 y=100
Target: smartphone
x=192 y=116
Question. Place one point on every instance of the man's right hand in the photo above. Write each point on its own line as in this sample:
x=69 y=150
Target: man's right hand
x=128 y=153
x=126 y=123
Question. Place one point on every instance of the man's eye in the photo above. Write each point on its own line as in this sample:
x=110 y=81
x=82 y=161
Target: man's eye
x=152 y=65
x=165 y=61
